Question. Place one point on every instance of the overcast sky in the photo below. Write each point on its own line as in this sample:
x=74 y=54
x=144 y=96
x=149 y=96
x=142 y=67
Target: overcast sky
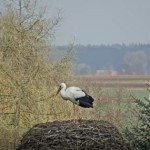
x=103 y=21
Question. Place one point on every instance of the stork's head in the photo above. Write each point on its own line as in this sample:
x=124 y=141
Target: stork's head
x=61 y=86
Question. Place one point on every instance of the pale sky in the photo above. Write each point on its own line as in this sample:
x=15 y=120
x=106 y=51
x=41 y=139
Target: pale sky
x=103 y=21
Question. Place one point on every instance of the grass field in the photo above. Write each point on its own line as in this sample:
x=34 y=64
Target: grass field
x=135 y=84
x=125 y=81
x=113 y=96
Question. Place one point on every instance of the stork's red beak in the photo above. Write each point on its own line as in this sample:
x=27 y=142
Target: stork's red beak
x=58 y=90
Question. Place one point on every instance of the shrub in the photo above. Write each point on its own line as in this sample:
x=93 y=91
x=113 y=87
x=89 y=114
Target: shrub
x=139 y=135
x=27 y=79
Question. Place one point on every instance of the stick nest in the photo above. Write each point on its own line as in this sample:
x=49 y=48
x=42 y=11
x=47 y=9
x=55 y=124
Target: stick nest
x=65 y=135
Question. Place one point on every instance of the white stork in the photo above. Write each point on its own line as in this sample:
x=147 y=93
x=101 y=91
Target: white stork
x=76 y=96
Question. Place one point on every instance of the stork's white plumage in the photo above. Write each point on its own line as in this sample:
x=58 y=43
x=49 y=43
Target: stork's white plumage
x=76 y=96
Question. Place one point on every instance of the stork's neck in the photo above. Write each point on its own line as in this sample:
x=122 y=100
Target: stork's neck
x=64 y=93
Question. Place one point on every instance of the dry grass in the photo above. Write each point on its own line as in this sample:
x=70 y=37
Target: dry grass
x=122 y=81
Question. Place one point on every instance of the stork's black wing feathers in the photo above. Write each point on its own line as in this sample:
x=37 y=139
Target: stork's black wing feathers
x=86 y=101
x=91 y=98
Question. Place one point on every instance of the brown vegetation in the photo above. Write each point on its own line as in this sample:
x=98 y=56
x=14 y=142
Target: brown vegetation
x=27 y=80
x=125 y=81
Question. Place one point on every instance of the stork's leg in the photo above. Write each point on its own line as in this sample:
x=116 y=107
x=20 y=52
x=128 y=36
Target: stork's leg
x=74 y=113
x=77 y=109
x=75 y=120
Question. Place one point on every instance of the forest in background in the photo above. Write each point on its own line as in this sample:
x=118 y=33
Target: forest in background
x=133 y=59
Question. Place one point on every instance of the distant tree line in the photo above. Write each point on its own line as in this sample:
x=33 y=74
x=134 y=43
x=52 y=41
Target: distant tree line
x=125 y=59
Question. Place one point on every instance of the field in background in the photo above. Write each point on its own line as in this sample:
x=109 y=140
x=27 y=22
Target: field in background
x=136 y=84
x=125 y=81
x=112 y=94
